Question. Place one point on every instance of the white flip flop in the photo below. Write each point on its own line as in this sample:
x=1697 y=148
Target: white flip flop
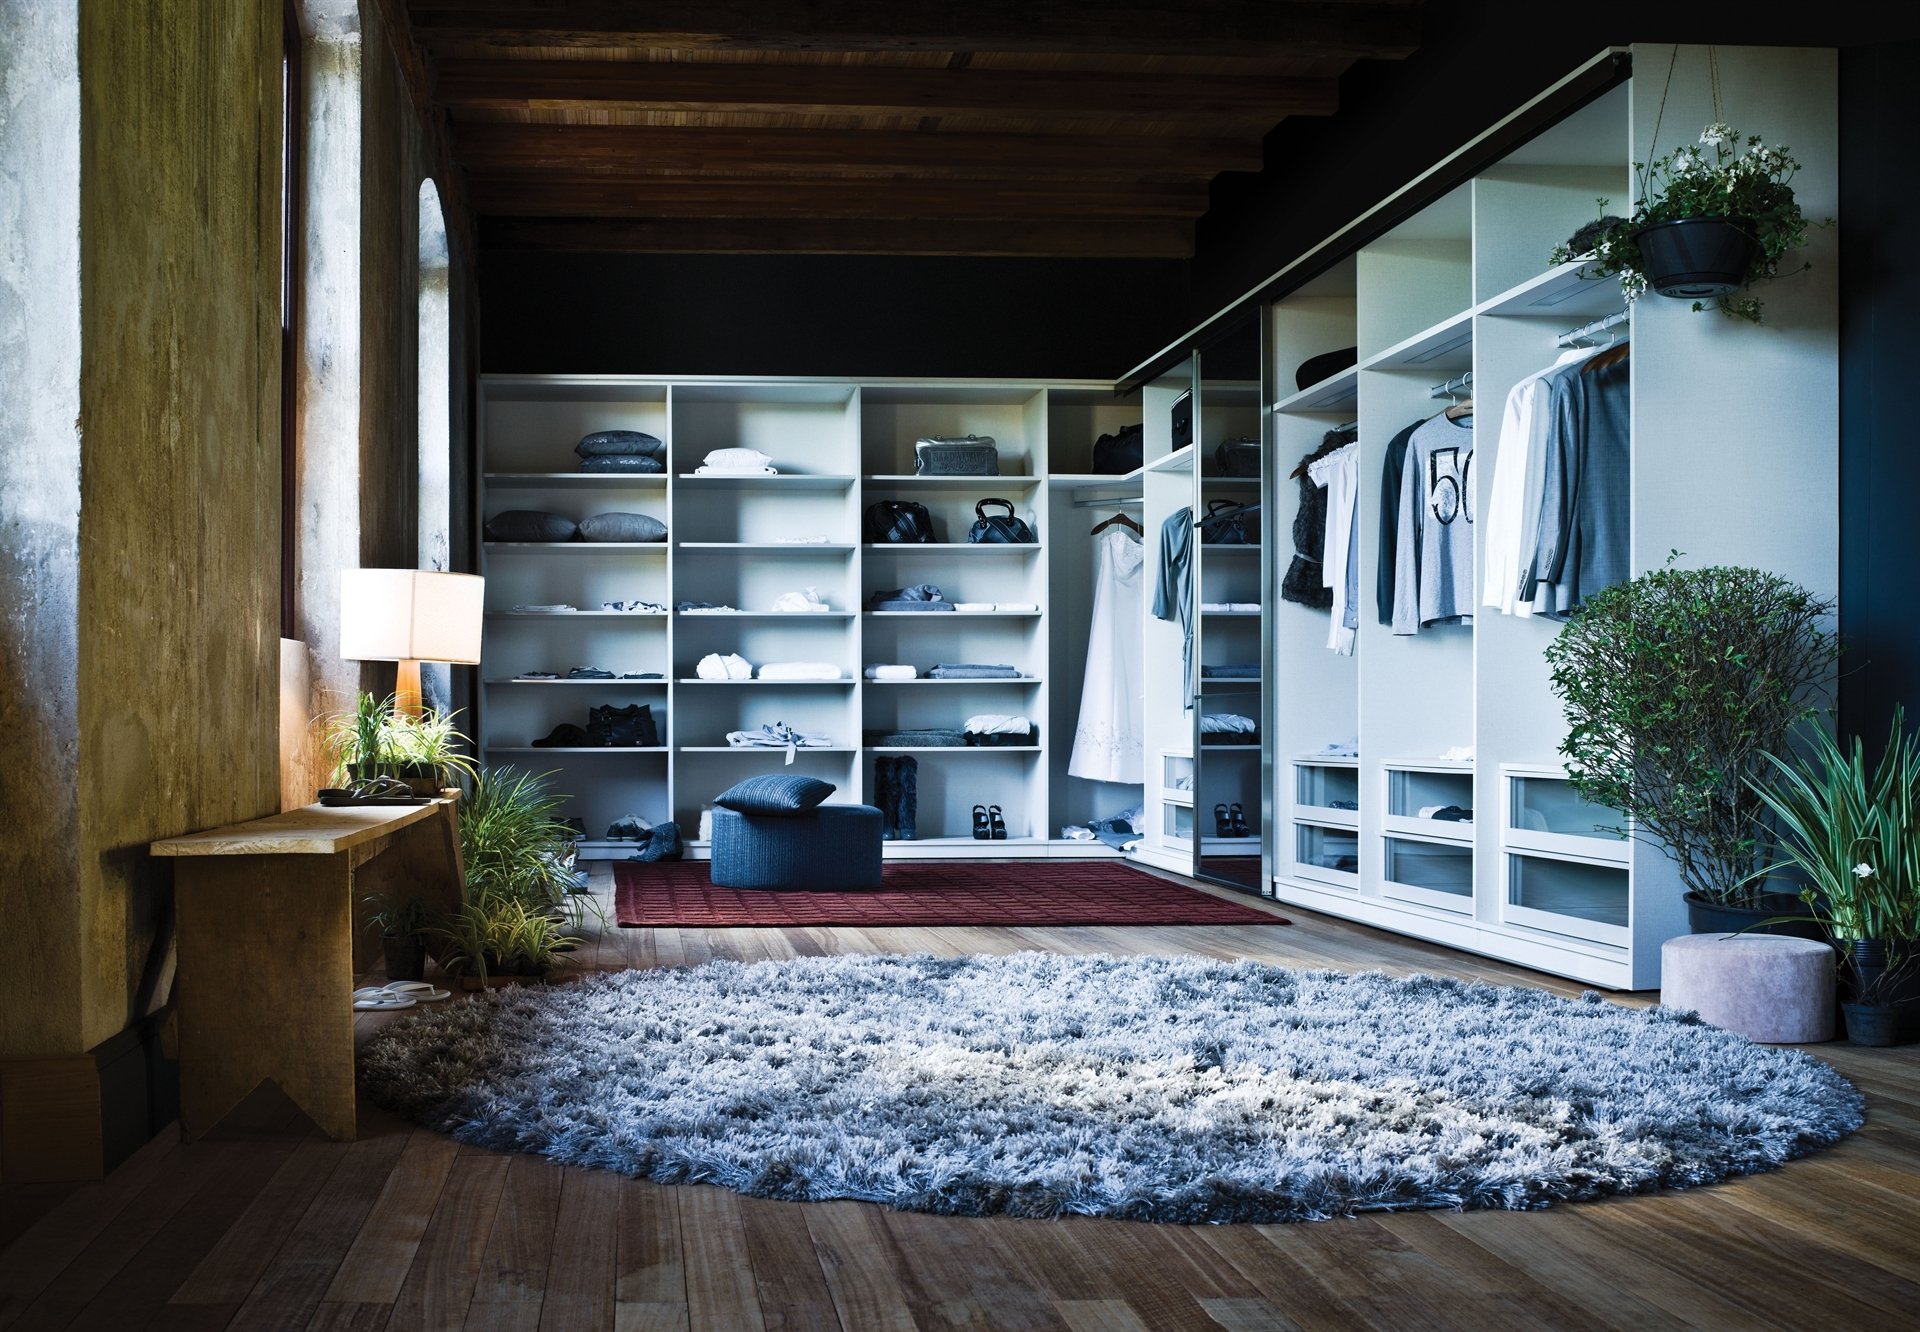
x=420 y=990
x=383 y=1002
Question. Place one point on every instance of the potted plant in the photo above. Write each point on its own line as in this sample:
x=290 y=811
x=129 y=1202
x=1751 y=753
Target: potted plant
x=510 y=841
x=372 y=740
x=1855 y=836
x=495 y=938
x=1676 y=684
x=403 y=938
x=1713 y=218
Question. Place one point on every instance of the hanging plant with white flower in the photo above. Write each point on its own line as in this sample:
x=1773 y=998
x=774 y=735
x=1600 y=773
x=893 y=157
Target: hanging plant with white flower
x=1740 y=186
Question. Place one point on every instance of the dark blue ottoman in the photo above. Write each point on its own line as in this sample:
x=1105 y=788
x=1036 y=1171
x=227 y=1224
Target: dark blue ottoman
x=831 y=846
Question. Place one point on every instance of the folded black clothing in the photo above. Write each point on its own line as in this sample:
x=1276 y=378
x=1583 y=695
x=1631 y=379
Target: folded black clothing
x=1004 y=739
x=1250 y=671
x=589 y=673
x=916 y=739
x=1232 y=737
x=634 y=463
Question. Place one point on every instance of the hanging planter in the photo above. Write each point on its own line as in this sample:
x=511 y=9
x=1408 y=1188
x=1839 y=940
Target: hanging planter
x=1697 y=258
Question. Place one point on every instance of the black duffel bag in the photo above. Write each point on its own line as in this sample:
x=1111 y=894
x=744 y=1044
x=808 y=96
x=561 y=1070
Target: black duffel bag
x=1224 y=524
x=998 y=528
x=898 y=521
x=1118 y=453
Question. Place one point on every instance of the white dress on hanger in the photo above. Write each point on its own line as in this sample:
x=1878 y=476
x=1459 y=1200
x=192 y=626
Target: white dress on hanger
x=1109 y=741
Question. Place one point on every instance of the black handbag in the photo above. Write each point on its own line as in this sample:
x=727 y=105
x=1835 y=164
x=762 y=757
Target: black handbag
x=1182 y=420
x=998 y=528
x=631 y=725
x=1238 y=457
x=1118 y=453
x=898 y=521
x=1224 y=524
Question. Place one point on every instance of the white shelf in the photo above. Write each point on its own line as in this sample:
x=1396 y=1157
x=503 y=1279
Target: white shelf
x=576 y=480
x=1025 y=751
x=656 y=683
x=954 y=548
x=1447 y=346
x=843 y=682
x=1413 y=829
x=1336 y=395
x=766 y=750
x=1427 y=765
x=1326 y=760
x=785 y=481
x=1180 y=460
x=910 y=479
x=657 y=547
x=766 y=547
x=1560 y=294
x=1082 y=482
x=577 y=615
x=798 y=617
x=576 y=749
x=950 y=617
x=993 y=680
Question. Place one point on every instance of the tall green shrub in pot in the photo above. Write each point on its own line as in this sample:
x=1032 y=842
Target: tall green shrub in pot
x=1676 y=684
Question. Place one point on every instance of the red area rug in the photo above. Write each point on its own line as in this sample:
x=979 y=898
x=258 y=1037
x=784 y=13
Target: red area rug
x=931 y=892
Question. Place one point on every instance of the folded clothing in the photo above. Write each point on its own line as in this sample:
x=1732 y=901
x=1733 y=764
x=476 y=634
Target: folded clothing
x=892 y=672
x=1227 y=723
x=634 y=607
x=561 y=609
x=974 y=607
x=705 y=608
x=971 y=671
x=800 y=602
x=779 y=735
x=531 y=525
x=1251 y=671
x=631 y=463
x=733 y=666
x=919 y=597
x=999 y=723
x=916 y=739
x=620 y=444
x=736 y=462
x=1233 y=607
x=801 y=670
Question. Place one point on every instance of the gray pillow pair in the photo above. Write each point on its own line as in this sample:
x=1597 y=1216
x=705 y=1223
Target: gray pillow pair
x=533 y=525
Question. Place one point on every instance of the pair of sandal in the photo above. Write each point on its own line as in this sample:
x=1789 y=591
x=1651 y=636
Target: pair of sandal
x=1230 y=821
x=988 y=825
x=395 y=995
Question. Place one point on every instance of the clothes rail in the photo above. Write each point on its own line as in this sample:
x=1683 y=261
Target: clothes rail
x=1116 y=502
x=1574 y=336
x=1458 y=384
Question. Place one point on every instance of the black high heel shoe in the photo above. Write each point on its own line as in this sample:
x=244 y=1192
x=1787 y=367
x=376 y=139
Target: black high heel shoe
x=1237 y=821
x=1222 y=826
x=982 y=829
x=999 y=824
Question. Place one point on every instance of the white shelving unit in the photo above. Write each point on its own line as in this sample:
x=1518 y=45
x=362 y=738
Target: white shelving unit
x=1463 y=286
x=741 y=541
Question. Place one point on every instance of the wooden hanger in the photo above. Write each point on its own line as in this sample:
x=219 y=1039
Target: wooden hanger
x=1458 y=410
x=1611 y=356
x=1123 y=520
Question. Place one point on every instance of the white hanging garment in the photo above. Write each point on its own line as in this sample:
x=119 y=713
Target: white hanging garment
x=1109 y=740
x=1338 y=473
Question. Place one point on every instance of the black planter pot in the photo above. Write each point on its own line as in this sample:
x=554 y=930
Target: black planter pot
x=406 y=956
x=1697 y=258
x=1705 y=916
x=1877 y=1024
x=1867 y=968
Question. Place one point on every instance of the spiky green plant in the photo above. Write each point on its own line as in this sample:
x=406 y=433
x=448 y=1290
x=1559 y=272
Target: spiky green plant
x=374 y=738
x=509 y=840
x=1855 y=835
x=495 y=933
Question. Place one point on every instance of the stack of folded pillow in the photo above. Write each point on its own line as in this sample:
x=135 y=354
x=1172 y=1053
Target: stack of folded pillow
x=535 y=525
x=632 y=451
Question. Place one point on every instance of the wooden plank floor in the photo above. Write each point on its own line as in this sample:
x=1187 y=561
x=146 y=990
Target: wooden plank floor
x=266 y=1225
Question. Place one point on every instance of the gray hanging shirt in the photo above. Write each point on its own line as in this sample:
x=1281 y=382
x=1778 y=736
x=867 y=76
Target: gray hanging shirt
x=1433 y=559
x=1173 y=591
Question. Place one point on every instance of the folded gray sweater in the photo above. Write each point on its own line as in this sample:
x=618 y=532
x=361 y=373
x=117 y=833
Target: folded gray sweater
x=973 y=671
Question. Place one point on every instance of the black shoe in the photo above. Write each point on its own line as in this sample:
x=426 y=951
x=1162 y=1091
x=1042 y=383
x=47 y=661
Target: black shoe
x=1222 y=827
x=982 y=828
x=565 y=736
x=1237 y=821
x=998 y=824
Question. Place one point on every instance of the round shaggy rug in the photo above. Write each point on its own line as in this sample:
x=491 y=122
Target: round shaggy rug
x=1165 y=1089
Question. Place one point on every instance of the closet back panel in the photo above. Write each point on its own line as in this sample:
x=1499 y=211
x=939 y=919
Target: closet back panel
x=800 y=437
x=539 y=435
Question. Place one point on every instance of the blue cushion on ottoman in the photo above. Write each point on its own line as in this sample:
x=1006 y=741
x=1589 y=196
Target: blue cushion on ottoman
x=776 y=793
x=835 y=846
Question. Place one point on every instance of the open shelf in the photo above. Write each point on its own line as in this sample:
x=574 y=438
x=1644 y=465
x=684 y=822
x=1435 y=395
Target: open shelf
x=1336 y=395
x=952 y=616
x=1448 y=346
x=577 y=547
x=796 y=617
x=576 y=749
x=994 y=680
x=1561 y=293
x=576 y=480
x=751 y=481
x=915 y=481
x=764 y=548
x=953 y=548
x=656 y=683
x=577 y=615
x=771 y=684
x=767 y=750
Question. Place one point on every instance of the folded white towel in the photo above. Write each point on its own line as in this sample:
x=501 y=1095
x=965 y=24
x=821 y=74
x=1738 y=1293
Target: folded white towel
x=999 y=723
x=1011 y=606
x=800 y=601
x=733 y=666
x=801 y=541
x=734 y=471
x=800 y=670
x=972 y=607
x=893 y=672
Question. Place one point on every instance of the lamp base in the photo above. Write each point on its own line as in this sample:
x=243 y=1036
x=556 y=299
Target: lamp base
x=406 y=689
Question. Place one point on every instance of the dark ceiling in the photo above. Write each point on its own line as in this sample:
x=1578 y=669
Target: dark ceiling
x=983 y=127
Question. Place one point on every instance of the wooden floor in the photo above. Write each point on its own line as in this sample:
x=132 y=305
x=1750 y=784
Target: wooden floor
x=266 y=1225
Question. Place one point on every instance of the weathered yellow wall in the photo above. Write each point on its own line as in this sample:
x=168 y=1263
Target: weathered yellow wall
x=180 y=438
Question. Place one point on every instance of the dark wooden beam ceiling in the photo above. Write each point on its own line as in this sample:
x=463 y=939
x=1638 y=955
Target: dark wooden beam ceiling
x=1285 y=29
x=696 y=196
x=605 y=85
x=1133 y=238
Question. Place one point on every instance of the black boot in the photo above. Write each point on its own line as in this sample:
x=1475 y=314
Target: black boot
x=883 y=786
x=906 y=800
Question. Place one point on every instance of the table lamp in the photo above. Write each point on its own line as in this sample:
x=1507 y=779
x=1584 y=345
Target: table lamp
x=410 y=616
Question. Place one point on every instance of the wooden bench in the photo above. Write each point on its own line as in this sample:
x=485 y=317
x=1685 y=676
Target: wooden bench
x=268 y=920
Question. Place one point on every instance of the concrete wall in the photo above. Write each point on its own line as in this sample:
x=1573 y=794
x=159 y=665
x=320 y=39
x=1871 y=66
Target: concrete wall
x=39 y=524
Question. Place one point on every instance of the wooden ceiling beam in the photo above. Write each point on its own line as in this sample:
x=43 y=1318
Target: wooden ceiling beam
x=708 y=196
x=1157 y=238
x=1266 y=29
x=620 y=85
x=490 y=148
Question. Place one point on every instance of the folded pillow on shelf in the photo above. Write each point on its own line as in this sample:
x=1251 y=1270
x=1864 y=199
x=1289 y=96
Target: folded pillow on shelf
x=531 y=525
x=641 y=463
x=801 y=670
x=623 y=527
x=620 y=443
x=775 y=794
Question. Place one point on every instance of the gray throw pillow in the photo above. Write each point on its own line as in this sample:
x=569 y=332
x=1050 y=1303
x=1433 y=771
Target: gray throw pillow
x=618 y=442
x=623 y=527
x=530 y=525
x=775 y=793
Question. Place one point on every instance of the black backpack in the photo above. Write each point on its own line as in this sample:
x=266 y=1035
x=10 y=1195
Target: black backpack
x=899 y=521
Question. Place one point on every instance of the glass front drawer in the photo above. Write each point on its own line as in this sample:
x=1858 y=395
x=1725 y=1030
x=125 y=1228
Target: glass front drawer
x=1333 y=849
x=1326 y=787
x=1551 y=805
x=1595 y=893
x=1430 y=868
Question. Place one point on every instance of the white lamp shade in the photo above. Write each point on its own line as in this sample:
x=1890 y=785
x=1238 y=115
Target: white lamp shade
x=410 y=615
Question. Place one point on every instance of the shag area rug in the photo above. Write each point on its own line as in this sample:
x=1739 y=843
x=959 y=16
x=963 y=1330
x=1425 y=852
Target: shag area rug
x=1163 y=1089
x=931 y=892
